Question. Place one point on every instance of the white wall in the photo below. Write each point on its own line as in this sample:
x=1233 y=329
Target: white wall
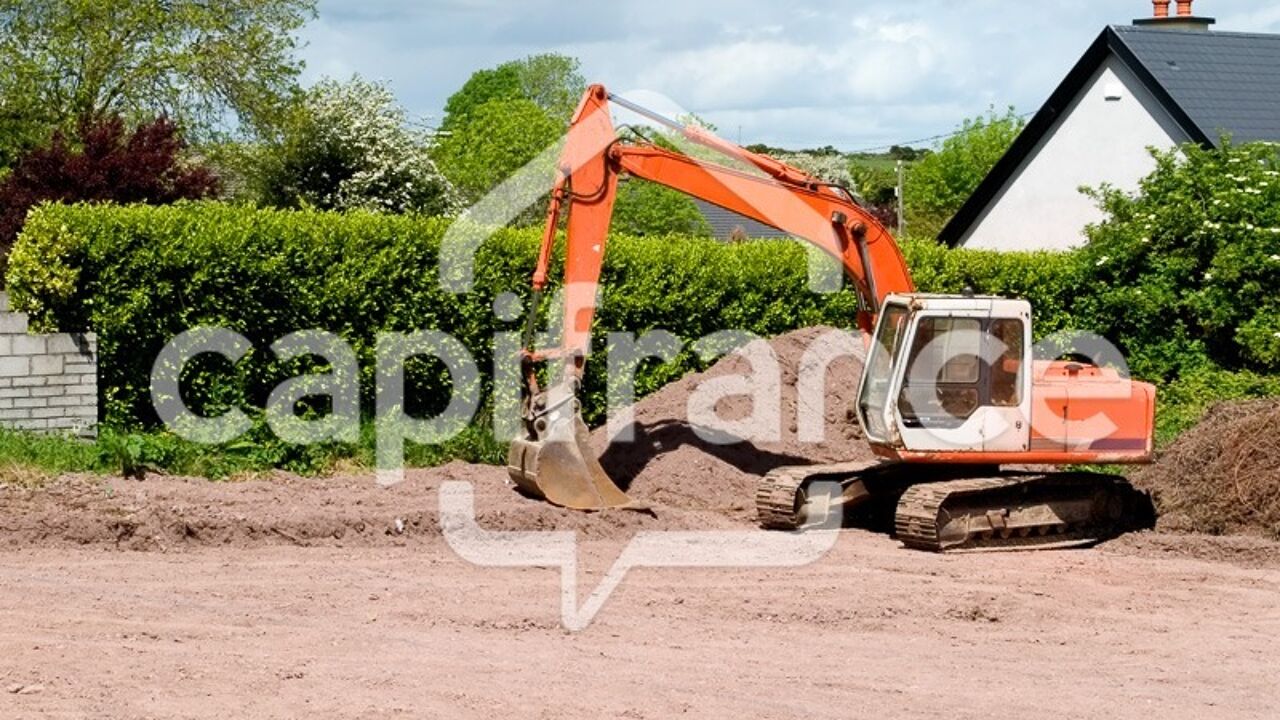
x=1097 y=140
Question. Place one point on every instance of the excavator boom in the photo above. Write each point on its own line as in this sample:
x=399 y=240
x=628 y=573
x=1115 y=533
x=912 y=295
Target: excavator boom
x=552 y=461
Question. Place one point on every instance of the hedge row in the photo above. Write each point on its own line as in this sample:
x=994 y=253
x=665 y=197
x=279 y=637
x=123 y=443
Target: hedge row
x=140 y=275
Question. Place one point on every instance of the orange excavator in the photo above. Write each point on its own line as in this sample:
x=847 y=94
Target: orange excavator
x=961 y=417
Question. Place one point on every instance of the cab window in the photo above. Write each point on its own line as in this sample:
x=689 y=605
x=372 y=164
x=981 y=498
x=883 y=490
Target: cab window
x=1006 y=369
x=957 y=365
x=941 y=388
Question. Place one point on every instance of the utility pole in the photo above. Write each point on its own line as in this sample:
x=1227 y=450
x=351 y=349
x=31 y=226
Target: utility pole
x=902 y=216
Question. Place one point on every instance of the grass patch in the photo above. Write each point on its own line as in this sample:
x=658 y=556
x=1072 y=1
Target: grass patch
x=29 y=459
x=22 y=452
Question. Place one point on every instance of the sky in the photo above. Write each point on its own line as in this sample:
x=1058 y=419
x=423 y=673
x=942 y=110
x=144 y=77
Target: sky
x=788 y=73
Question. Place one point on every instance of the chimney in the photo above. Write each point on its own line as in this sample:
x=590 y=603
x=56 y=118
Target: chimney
x=1184 y=20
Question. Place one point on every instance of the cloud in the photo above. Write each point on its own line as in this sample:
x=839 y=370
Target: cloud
x=1254 y=19
x=799 y=74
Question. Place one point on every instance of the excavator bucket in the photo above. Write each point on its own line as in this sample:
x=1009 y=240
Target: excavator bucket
x=555 y=463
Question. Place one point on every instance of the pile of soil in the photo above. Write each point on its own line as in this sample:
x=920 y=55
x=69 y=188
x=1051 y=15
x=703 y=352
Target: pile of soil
x=671 y=462
x=689 y=482
x=1223 y=475
x=166 y=513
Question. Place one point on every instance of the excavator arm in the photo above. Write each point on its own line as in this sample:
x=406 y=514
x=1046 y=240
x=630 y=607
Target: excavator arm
x=553 y=460
x=783 y=197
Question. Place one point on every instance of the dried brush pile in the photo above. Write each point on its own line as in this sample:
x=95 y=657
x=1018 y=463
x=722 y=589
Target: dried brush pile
x=1222 y=476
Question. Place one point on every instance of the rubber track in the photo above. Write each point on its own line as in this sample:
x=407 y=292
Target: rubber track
x=776 y=505
x=776 y=498
x=919 y=513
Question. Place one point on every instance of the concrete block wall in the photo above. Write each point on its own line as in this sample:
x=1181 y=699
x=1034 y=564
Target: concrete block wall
x=48 y=383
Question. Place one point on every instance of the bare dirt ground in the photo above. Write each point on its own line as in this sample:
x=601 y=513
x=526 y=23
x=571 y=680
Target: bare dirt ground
x=172 y=598
x=1138 y=628
x=284 y=597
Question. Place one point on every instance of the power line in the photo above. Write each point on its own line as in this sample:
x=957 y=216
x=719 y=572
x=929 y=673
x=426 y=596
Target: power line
x=909 y=143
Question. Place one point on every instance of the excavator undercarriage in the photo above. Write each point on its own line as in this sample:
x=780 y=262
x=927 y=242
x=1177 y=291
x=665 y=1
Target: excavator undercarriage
x=946 y=508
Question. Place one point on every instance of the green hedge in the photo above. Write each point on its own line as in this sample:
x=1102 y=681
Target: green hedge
x=140 y=275
x=1048 y=279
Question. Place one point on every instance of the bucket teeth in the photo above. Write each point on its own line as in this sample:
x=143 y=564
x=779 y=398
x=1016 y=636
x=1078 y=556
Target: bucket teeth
x=558 y=465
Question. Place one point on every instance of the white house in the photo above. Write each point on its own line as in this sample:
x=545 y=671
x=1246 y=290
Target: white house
x=1160 y=82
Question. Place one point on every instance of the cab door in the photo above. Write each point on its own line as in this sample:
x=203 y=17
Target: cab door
x=1007 y=414
x=965 y=383
x=938 y=406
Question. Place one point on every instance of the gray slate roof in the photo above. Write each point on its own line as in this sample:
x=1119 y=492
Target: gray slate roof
x=1224 y=82
x=724 y=222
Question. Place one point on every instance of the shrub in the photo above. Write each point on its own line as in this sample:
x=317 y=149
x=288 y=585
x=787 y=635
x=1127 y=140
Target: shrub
x=104 y=162
x=646 y=209
x=1048 y=280
x=349 y=146
x=1186 y=271
x=138 y=276
x=1183 y=402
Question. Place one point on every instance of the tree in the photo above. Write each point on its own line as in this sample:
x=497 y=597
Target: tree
x=828 y=167
x=498 y=138
x=550 y=81
x=504 y=117
x=1187 y=269
x=347 y=146
x=105 y=163
x=500 y=83
x=553 y=83
x=196 y=62
x=906 y=153
x=647 y=209
x=875 y=182
x=940 y=183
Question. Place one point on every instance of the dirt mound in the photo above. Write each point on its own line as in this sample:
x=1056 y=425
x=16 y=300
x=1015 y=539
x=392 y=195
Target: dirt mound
x=162 y=513
x=690 y=482
x=169 y=513
x=700 y=463
x=1223 y=475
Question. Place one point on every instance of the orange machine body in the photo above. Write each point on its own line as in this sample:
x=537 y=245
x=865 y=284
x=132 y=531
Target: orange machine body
x=1080 y=414
x=1064 y=414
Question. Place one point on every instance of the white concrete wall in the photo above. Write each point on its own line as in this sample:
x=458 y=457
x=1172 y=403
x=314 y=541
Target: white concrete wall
x=1096 y=140
x=48 y=383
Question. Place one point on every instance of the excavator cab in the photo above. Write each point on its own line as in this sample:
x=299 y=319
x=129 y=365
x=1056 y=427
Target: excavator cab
x=953 y=379
x=948 y=373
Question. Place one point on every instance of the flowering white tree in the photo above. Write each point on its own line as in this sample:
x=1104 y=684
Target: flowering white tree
x=350 y=145
x=834 y=168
